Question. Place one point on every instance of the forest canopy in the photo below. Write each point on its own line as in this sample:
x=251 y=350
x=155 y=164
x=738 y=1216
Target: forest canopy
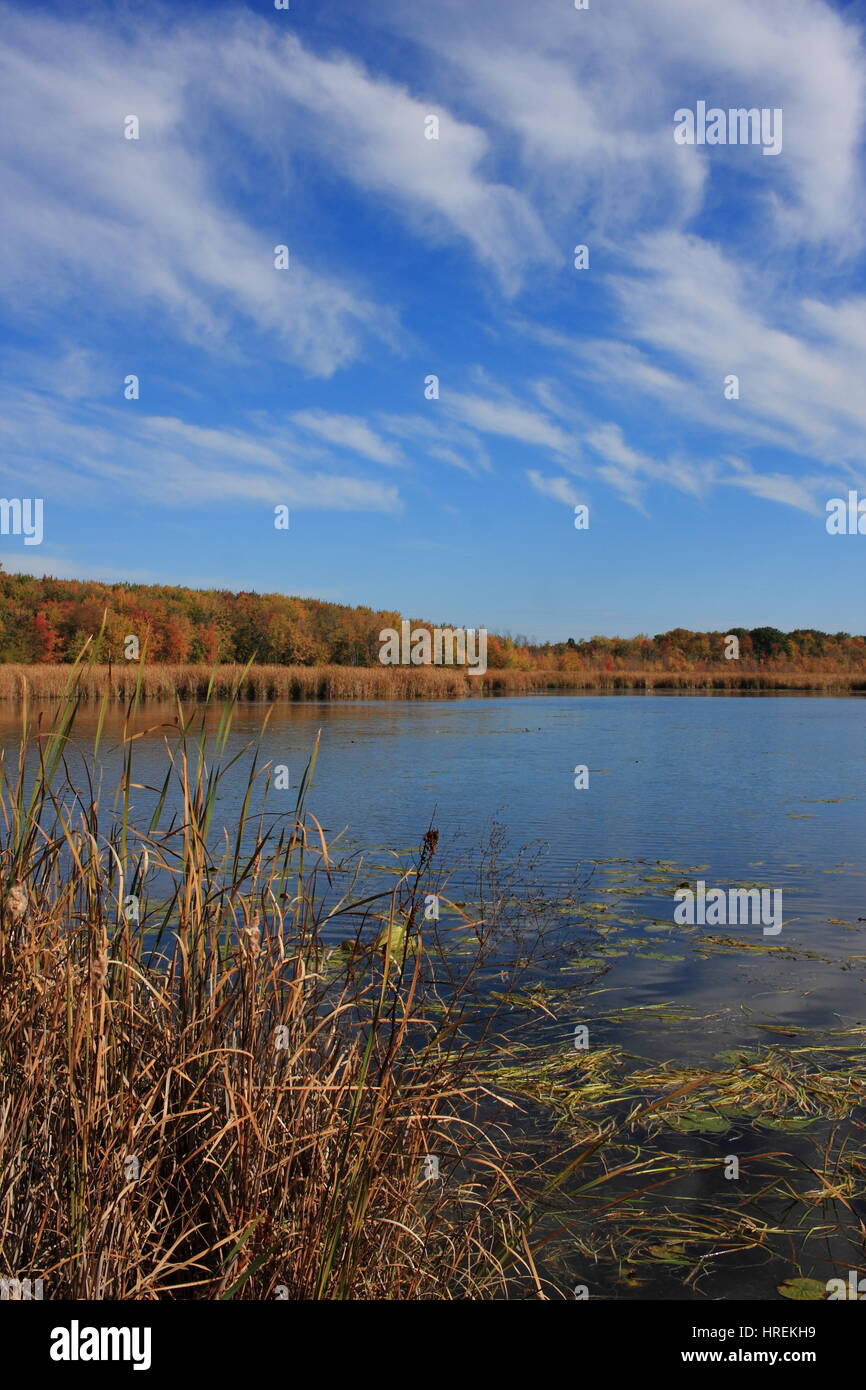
x=49 y=620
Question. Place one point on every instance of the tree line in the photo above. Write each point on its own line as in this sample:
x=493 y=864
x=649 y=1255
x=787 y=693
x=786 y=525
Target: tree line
x=49 y=620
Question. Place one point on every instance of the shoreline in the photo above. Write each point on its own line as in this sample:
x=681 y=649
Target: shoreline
x=347 y=683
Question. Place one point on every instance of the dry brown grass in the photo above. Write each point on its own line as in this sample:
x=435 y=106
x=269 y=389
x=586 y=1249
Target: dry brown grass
x=215 y=1100
x=268 y=683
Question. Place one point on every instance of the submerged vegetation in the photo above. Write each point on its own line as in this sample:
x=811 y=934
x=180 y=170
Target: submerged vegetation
x=235 y=1064
x=740 y=1189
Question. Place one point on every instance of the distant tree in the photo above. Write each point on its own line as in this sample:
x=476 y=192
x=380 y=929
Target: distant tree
x=46 y=642
x=768 y=642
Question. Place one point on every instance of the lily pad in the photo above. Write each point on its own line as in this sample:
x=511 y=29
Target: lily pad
x=700 y=1122
x=811 y=1289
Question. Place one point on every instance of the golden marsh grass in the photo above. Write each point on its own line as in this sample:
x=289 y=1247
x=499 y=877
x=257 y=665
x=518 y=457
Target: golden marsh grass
x=157 y=682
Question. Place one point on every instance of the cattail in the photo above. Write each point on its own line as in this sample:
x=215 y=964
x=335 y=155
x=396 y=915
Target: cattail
x=99 y=970
x=251 y=941
x=17 y=903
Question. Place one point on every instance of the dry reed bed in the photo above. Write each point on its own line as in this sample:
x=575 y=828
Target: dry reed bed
x=213 y=1101
x=268 y=683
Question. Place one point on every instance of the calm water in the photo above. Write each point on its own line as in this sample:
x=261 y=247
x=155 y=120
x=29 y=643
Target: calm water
x=767 y=790
x=736 y=790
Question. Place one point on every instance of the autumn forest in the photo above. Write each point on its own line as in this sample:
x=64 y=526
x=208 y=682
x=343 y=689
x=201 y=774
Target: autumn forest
x=48 y=621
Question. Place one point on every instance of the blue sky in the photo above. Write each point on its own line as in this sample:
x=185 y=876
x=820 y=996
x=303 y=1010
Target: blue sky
x=454 y=257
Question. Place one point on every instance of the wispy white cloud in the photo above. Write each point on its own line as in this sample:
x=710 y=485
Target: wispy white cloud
x=373 y=130
x=779 y=487
x=562 y=84
x=707 y=317
x=439 y=438
x=58 y=566
x=101 y=453
x=545 y=138
x=128 y=226
x=559 y=489
x=630 y=471
x=351 y=433
x=506 y=417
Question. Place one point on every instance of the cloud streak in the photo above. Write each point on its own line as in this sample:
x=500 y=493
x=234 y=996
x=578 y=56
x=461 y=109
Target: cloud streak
x=99 y=453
